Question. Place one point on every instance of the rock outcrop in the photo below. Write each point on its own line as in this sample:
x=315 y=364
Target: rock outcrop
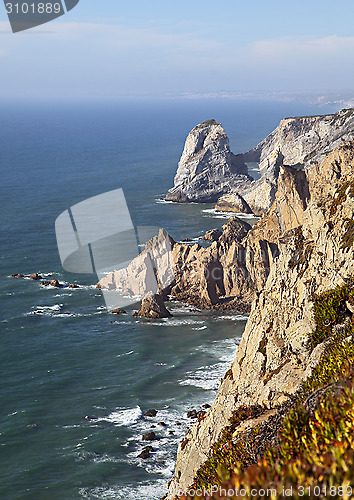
x=297 y=142
x=225 y=275
x=207 y=168
x=153 y=307
x=230 y=272
x=150 y=271
x=315 y=239
x=208 y=171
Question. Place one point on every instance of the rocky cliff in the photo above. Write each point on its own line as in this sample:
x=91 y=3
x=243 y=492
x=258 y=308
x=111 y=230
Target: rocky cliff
x=207 y=168
x=311 y=224
x=297 y=142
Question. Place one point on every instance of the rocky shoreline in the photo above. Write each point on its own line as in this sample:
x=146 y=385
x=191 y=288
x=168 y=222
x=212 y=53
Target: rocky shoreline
x=301 y=303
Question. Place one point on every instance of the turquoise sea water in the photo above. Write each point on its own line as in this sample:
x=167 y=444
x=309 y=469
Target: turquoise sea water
x=73 y=384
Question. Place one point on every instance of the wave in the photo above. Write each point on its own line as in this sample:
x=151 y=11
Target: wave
x=144 y=491
x=124 y=417
x=217 y=214
x=162 y=201
x=125 y=354
x=233 y=317
x=207 y=377
x=176 y=322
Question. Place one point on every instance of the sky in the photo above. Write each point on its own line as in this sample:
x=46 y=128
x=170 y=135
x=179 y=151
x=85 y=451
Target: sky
x=108 y=49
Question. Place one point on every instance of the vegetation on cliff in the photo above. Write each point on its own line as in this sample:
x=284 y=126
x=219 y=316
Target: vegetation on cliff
x=313 y=453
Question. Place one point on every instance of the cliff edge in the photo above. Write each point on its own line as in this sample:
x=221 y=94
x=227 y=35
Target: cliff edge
x=315 y=236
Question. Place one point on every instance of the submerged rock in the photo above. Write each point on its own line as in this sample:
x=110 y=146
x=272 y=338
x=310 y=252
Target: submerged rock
x=145 y=454
x=117 y=310
x=150 y=413
x=16 y=275
x=149 y=436
x=35 y=276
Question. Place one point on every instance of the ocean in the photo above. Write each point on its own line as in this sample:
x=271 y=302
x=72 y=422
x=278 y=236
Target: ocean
x=75 y=381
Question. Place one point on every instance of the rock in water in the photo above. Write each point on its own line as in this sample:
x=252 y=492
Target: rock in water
x=146 y=452
x=149 y=436
x=153 y=306
x=150 y=413
x=35 y=277
x=207 y=168
x=118 y=310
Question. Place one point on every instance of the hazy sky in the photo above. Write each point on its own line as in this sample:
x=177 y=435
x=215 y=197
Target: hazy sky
x=111 y=48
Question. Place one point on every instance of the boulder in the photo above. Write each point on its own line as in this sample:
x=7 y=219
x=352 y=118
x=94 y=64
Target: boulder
x=55 y=283
x=150 y=413
x=233 y=202
x=117 y=310
x=45 y=283
x=16 y=275
x=146 y=452
x=149 y=436
x=153 y=307
x=73 y=286
x=35 y=276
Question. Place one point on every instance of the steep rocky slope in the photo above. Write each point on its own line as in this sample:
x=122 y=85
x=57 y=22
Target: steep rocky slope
x=314 y=236
x=298 y=141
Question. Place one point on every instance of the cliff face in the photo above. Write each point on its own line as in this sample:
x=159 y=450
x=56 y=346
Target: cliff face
x=299 y=141
x=302 y=141
x=207 y=168
x=315 y=236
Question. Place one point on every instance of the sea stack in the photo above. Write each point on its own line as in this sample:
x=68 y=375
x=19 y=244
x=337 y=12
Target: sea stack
x=207 y=168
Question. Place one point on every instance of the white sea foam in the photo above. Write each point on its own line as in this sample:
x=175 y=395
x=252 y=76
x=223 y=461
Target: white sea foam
x=176 y=322
x=47 y=310
x=207 y=377
x=200 y=328
x=144 y=491
x=232 y=317
x=162 y=201
x=217 y=214
x=125 y=354
x=125 y=417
